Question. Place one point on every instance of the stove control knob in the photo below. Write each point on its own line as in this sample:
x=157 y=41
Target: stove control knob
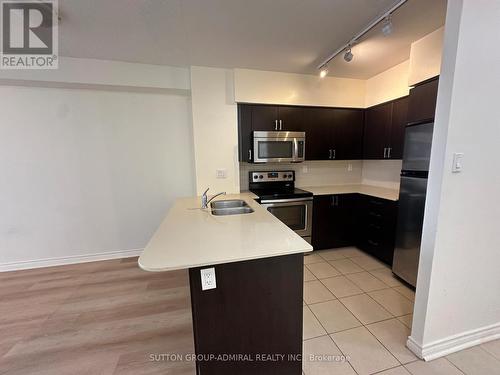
x=261 y=177
x=255 y=177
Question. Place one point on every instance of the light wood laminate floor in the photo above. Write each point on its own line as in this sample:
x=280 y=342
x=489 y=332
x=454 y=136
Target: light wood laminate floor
x=94 y=318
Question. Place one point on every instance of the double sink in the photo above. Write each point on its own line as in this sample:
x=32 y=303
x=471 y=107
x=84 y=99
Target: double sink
x=230 y=207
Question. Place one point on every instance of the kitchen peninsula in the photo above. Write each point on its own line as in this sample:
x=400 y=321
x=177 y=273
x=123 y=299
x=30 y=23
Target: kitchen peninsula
x=250 y=317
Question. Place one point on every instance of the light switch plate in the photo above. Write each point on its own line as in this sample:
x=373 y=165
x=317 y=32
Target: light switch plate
x=221 y=173
x=457 y=162
x=208 y=278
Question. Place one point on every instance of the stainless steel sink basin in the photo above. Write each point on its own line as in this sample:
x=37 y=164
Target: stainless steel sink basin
x=232 y=211
x=230 y=207
x=229 y=203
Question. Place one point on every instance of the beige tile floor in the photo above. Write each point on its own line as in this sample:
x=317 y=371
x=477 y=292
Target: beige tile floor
x=355 y=308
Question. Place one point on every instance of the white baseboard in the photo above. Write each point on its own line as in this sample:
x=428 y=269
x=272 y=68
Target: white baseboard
x=49 y=262
x=454 y=343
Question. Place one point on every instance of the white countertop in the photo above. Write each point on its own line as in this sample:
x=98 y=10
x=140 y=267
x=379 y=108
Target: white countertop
x=374 y=191
x=191 y=237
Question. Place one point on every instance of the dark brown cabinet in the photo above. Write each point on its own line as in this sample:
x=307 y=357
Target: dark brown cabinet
x=398 y=126
x=331 y=133
x=245 y=133
x=264 y=117
x=319 y=131
x=384 y=130
x=376 y=227
x=355 y=219
x=334 y=218
x=422 y=101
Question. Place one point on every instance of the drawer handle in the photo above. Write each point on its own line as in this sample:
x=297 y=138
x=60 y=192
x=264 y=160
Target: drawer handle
x=376 y=202
x=373 y=243
x=374 y=214
x=375 y=226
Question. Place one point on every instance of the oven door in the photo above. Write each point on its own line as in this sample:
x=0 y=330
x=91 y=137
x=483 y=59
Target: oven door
x=295 y=213
x=278 y=147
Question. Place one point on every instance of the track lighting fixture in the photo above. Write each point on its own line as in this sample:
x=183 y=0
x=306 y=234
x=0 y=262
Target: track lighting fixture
x=323 y=72
x=348 y=54
x=387 y=25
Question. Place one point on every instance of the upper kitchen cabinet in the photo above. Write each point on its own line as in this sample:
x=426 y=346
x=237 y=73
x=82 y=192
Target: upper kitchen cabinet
x=291 y=118
x=333 y=133
x=384 y=130
x=264 y=117
x=319 y=131
x=398 y=125
x=377 y=131
x=422 y=101
x=347 y=142
x=245 y=133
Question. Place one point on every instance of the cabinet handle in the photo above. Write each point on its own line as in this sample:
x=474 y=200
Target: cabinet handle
x=275 y=124
x=389 y=152
x=372 y=201
x=250 y=155
x=337 y=200
x=281 y=124
x=330 y=154
x=373 y=243
x=333 y=200
x=385 y=152
x=371 y=213
x=333 y=157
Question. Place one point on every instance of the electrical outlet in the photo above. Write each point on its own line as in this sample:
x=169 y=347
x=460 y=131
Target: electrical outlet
x=305 y=169
x=349 y=167
x=208 y=278
x=221 y=173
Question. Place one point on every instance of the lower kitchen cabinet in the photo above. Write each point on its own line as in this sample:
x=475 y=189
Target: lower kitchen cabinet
x=376 y=227
x=355 y=220
x=334 y=221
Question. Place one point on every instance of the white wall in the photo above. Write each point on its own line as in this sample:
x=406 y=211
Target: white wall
x=257 y=86
x=113 y=74
x=86 y=173
x=215 y=129
x=388 y=85
x=458 y=300
x=425 y=57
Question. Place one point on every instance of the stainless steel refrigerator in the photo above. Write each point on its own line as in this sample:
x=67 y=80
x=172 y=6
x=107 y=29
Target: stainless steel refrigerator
x=416 y=155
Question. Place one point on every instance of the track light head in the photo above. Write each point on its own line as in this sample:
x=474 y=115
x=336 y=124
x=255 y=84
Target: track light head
x=387 y=25
x=323 y=72
x=348 y=54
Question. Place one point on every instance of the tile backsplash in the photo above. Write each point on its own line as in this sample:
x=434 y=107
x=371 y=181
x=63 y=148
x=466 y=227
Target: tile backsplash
x=383 y=173
x=311 y=173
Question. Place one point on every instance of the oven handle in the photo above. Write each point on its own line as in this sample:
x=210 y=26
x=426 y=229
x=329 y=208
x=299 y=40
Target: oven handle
x=286 y=200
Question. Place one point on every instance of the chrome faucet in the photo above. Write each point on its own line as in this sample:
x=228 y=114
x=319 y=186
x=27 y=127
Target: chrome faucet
x=204 y=199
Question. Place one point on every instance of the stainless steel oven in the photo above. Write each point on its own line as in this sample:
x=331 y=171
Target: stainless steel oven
x=296 y=213
x=278 y=147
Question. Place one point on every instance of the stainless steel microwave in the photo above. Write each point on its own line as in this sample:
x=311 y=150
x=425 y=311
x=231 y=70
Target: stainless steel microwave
x=278 y=147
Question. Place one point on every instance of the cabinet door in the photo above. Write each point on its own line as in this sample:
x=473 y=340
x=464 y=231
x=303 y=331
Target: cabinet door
x=348 y=134
x=265 y=117
x=291 y=118
x=323 y=217
x=422 y=102
x=377 y=131
x=245 y=132
x=399 y=121
x=334 y=221
x=343 y=225
x=318 y=125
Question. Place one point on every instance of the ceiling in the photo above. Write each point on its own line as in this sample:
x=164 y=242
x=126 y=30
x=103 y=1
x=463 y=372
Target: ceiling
x=277 y=35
